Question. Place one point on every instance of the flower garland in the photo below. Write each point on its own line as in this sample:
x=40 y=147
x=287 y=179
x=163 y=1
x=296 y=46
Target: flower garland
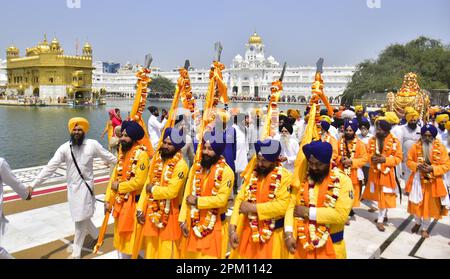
x=318 y=233
x=203 y=229
x=130 y=172
x=374 y=148
x=436 y=157
x=352 y=150
x=159 y=209
x=268 y=226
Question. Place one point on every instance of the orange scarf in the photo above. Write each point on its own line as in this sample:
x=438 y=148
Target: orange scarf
x=327 y=251
x=256 y=250
x=210 y=244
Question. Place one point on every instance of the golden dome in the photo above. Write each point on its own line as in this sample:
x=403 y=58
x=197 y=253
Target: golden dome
x=12 y=48
x=87 y=45
x=55 y=41
x=255 y=39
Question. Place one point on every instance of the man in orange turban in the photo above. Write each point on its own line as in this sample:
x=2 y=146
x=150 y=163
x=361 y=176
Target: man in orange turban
x=78 y=154
x=408 y=135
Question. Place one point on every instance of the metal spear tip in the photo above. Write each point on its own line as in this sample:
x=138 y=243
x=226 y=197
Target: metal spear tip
x=218 y=48
x=283 y=71
x=148 y=61
x=187 y=64
x=319 y=65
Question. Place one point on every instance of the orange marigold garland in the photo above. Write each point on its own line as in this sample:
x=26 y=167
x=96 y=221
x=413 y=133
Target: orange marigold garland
x=159 y=209
x=318 y=233
x=352 y=150
x=426 y=178
x=264 y=234
x=202 y=229
x=374 y=148
x=130 y=173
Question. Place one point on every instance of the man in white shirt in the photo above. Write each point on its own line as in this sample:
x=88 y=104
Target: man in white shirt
x=289 y=147
x=408 y=135
x=80 y=190
x=9 y=179
x=154 y=126
x=441 y=120
x=242 y=149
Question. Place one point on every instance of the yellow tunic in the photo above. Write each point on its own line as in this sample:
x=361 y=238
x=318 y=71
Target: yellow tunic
x=274 y=209
x=124 y=243
x=155 y=247
x=208 y=202
x=334 y=217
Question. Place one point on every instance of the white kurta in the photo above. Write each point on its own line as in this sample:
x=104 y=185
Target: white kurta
x=407 y=138
x=154 y=129
x=81 y=202
x=242 y=149
x=289 y=149
x=9 y=179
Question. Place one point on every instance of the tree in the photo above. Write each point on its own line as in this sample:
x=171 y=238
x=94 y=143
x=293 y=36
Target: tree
x=161 y=85
x=429 y=58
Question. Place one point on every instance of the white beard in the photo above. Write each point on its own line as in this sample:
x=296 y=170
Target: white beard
x=426 y=149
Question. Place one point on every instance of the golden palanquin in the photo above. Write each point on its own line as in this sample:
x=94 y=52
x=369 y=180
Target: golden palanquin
x=410 y=95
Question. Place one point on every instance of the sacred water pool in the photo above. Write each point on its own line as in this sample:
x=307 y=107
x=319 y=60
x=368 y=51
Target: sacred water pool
x=30 y=135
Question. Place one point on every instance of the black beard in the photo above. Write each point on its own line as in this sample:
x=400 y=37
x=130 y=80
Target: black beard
x=349 y=137
x=208 y=161
x=76 y=141
x=263 y=172
x=126 y=146
x=442 y=127
x=318 y=176
x=165 y=154
x=412 y=126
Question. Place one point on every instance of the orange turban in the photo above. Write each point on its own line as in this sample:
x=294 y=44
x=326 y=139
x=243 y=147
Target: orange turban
x=441 y=118
x=390 y=117
x=293 y=113
x=411 y=114
x=78 y=121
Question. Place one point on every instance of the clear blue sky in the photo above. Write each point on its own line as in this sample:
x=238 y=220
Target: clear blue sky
x=342 y=31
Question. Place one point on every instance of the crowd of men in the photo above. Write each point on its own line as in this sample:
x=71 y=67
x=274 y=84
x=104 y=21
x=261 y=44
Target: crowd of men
x=227 y=205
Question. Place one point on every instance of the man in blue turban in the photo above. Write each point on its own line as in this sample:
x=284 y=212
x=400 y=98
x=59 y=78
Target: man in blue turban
x=428 y=196
x=270 y=184
x=213 y=183
x=318 y=211
x=131 y=133
x=162 y=244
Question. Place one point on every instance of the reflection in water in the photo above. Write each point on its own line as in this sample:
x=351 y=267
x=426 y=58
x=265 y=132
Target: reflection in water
x=29 y=136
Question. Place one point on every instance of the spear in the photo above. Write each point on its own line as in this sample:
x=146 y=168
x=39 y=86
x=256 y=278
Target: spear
x=143 y=206
x=137 y=110
x=217 y=91
x=269 y=130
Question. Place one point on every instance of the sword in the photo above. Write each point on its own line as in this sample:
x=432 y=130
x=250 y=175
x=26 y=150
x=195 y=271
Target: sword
x=148 y=61
x=218 y=47
x=283 y=71
x=319 y=65
x=187 y=64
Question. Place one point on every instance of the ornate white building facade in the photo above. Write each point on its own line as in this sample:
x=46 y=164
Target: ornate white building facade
x=3 y=76
x=253 y=74
x=248 y=76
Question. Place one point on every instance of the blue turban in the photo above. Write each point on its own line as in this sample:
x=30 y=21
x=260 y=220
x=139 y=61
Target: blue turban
x=322 y=151
x=134 y=130
x=176 y=137
x=352 y=123
x=431 y=128
x=270 y=149
x=384 y=125
x=325 y=125
x=364 y=123
x=217 y=141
